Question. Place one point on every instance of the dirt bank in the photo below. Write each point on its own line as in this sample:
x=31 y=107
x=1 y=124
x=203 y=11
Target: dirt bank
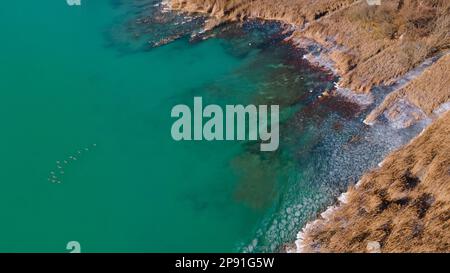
x=425 y=95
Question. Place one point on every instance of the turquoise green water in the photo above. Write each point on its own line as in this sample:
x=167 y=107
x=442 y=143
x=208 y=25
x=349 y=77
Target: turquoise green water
x=63 y=91
x=85 y=147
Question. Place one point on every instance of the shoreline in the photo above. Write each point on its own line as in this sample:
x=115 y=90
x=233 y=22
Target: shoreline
x=431 y=175
x=324 y=53
x=321 y=51
x=330 y=211
x=323 y=60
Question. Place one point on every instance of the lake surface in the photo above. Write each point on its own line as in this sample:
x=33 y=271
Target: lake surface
x=85 y=147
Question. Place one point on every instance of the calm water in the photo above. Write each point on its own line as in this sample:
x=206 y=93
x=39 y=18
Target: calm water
x=85 y=148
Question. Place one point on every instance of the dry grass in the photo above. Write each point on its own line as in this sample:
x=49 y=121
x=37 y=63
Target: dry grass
x=428 y=91
x=290 y=11
x=383 y=42
x=404 y=205
x=386 y=41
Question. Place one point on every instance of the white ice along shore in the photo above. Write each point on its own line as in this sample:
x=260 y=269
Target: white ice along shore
x=325 y=217
x=234 y=119
x=300 y=247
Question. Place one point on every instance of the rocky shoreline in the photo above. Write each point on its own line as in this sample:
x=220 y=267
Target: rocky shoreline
x=402 y=45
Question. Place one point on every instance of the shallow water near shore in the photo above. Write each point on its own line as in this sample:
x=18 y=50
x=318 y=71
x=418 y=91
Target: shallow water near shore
x=87 y=153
